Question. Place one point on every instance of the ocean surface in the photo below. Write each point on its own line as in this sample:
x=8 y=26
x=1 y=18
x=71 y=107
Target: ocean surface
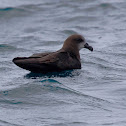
x=92 y=96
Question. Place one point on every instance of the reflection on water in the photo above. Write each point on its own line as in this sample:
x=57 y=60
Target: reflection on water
x=67 y=73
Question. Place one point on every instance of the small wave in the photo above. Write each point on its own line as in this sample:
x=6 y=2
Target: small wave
x=113 y=1
x=48 y=90
x=10 y=12
x=81 y=98
x=107 y=6
x=10 y=9
x=44 y=85
x=10 y=101
x=73 y=123
x=69 y=32
x=4 y=69
x=5 y=47
x=101 y=7
x=6 y=9
x=119 y=45
x=5 y=123
x=23 y=7
x=82 y=18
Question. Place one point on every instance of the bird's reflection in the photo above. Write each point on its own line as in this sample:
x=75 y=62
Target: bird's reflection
x=66 y=73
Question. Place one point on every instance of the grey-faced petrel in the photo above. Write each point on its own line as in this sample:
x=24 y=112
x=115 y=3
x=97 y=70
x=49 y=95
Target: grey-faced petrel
x=67 y=58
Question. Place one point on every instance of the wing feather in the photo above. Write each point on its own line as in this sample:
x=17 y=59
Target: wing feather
x=50 y=62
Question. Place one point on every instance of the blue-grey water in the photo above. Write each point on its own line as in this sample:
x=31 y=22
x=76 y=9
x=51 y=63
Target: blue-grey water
x=92 y=96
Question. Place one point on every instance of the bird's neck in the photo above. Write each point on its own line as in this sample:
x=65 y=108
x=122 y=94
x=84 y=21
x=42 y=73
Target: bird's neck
x=72 y=51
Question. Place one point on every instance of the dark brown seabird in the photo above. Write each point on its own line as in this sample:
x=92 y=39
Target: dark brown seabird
x=67 y=58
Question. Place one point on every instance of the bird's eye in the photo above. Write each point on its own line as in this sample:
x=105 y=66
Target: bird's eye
x=79 y=40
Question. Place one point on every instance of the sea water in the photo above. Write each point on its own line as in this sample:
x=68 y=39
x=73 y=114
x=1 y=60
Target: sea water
x=92 y=96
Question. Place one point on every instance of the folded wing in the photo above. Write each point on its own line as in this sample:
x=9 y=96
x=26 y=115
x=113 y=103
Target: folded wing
x=51 y=62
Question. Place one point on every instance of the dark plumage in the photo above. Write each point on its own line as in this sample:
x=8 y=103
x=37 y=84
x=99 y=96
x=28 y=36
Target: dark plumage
x=66 y=58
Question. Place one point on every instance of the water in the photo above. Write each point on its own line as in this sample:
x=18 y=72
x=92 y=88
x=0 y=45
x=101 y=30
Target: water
x=92 y=96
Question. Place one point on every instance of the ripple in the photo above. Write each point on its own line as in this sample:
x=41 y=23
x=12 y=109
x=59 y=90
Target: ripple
x=8 y=9
x=5 y=123
x=46 y=91
x=11 y=12
x=107 y=6
x=100 y=9
x=69 y=32
x=5 y=69
x=6 y=47
x=119 y=45
x=82 y=19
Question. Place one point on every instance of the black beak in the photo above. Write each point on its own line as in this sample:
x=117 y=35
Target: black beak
x=88 y=47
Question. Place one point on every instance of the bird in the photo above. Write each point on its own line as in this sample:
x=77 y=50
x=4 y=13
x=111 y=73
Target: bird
x=66 y=58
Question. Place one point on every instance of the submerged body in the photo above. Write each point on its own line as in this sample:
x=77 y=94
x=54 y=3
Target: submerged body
x=66 y=58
